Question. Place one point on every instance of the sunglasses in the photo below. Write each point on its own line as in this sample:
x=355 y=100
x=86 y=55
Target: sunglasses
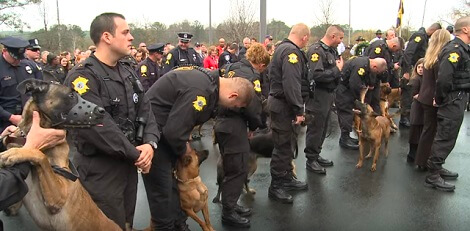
x=34 y=50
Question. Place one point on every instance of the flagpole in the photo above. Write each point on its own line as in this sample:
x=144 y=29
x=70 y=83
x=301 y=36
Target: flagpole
x=424 y=12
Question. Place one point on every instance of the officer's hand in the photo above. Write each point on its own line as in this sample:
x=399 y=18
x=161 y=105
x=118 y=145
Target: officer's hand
x=340 y=63
x=406 y=75
x=387 y=84
x=415 y=96
x=146 y=170
x=250 y=134
x=43 y=138
x=370 y=87
x=15 y=119
x=299 y=119
x=9 y=130
x=434 y=102
x=396 y=66
x=146 y=156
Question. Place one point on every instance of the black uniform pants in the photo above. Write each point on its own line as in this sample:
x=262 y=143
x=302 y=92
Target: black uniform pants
x=406 y=98
x=162 y=190
x=111 y=183
x=320 y=108
x=344 y=106
x=284 y=136
x=427 y=135
x=449 y=119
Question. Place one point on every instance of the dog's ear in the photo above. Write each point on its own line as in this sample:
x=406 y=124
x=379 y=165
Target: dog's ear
x=187 y=159
x=33 y=86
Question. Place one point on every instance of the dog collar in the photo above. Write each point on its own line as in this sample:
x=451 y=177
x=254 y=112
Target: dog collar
x=184 y=181
x=73 y=175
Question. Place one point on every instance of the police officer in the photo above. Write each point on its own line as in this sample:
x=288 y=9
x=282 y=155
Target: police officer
x=12 y=72
x=32 y=54
x=231 y=135
x=415 y=50
x=53 y=71
x=182 y=54
x=229 y=55
x=287 y=72
x=325 y=67
x=452 y=86
x=356 y=76
x=182 y=99
x=148 y=69
x=107 y=157
x=382 y=49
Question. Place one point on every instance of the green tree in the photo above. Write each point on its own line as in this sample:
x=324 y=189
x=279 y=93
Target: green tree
x=72 y=37
x=8 y=13
x=278 y=29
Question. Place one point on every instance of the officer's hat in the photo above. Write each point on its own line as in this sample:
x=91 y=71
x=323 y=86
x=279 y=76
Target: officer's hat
x=157 y=47
x=33 y=44
x=15 y=46
x=185 y=37
x=360 y=39
x=378 y=32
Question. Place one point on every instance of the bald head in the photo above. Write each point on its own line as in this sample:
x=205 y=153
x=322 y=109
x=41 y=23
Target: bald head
x=299 y=34
x=431 y=29
x=395 y=44
x=461 y=24
x=334 y=36
x=390 y=34
x=378 y=65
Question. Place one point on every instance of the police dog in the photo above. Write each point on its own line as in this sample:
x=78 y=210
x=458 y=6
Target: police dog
x=375 y=130
x=56 y=200
x=193 y=192
x=385 y=94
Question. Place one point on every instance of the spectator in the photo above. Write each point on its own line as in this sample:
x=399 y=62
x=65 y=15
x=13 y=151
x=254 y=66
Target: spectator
x=221 y=46
x=211 y=61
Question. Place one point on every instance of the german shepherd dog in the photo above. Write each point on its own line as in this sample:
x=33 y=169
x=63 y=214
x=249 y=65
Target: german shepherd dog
x=56 y=200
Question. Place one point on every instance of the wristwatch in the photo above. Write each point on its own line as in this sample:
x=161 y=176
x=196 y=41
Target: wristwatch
x=153 y=144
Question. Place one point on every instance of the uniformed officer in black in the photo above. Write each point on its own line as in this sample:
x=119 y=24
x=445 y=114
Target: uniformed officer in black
x=416 y=49
x=32 y=54
x=287 y=73
x=452 y=87
x=53 y=71
x=182 y=54
x=232 y=135
x=148 y=69
x=382 y=49
x=181 y=99
x=12 y=72
x=229 y=55
x=109 y=155
x=357 y=75
x=325 y=67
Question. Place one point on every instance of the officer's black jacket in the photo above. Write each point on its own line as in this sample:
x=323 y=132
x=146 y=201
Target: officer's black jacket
x=452 y=59
x=13 y=188
x=322 y=63
x=104 y=86
x=10 y=98
x=182 y=99
x=35 y=68
x=356 y=75
x=57 y=72
x=415 y=49
x=287 y=69
x=148 y=72
x=379 y=49
x=226 y=58
x=179 y=57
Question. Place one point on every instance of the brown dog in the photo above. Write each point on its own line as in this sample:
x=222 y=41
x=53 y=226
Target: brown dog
x=56 y=200
x=375 y=129
x=385 y=94
x=193 y=192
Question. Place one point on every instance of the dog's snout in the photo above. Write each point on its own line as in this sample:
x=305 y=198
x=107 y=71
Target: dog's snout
x=99 y=111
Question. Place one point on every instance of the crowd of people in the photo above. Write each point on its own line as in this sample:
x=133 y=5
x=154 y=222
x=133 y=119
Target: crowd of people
x=167 y=90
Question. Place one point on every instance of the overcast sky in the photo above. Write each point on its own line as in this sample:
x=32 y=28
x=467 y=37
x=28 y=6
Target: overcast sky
x=366 y=14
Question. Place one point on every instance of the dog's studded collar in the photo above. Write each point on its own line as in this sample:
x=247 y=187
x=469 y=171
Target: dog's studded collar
x=185 y=181
x=73 y=175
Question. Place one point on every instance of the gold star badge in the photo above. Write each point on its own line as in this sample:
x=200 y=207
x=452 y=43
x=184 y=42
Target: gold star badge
x=417 y=39
x=293 y=58
x=314 y=57
x=257 y=85
x=143 y=70
x=361 y=71
x=199 y=103
x=230 y=74
x=377 y=50
x=80 y=85
x=454 y=57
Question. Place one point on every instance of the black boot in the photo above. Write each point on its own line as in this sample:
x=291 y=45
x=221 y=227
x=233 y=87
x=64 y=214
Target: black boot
x=410 y=158
x=404 y=121
x=242 y=211
x=346 y=142
x=232 y=218
x=276 y=192
x=290 y=182
x=324 y=162
x=354 y=140
x=182 y=226
x=446 y=174
x=435 y=181
x=314 y=166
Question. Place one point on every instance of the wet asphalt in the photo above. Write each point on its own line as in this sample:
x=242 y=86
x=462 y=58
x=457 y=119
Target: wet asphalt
x=392 y=198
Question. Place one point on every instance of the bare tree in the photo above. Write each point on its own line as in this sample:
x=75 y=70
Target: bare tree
x=462 y=10
x=241 y=22
x=326 y=12
x=9 y=15
x=43 y=13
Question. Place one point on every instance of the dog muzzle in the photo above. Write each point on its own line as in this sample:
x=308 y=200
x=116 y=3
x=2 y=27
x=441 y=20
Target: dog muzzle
x=82 y=115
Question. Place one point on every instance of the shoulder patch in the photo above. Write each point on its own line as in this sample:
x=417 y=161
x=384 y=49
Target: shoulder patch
x=199 y=103
x=168 y=58
x=257 y=85
x=293 y=58
x=417 y=39
x=378 y=50
x=227 y=57
x=314 y=57
x=361 y=71
x=143 y=70
x=28 y=69
x=230 y=74
x=80 y=85
x=454 y=57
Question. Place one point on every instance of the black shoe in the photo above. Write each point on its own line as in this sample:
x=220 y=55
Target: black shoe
x=314 y=166
x=354 y=140
x=405 y=122
x=446 y=174
x=182 y=226
x=410 y=159
x=422 y=168
x=324 y=162
x=348 y=144
x=436 y=181
x=291 y=183
x=242 y=211
x=279 y=194
x=234 y=219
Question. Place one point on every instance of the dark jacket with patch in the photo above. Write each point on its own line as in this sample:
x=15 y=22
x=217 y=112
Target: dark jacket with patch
x=35 y=68
x=355 y=76
x=226 y=58
x=415 y=49
x=112 y=89
x=379 y=49
x=148 y=72
x=55 y=73
x=182 y=99
x=322 y=63
x=179 y=57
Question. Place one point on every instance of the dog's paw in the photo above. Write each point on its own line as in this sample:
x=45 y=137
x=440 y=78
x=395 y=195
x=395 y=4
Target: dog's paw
x=18 y=155
x=373 y=168
x=359 y=165
x=251 y=191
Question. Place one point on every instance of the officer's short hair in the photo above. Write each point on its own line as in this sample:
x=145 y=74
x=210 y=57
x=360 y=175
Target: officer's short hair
x=244 y=89
x=435 y=26
x=103 y=23
x=461 y=23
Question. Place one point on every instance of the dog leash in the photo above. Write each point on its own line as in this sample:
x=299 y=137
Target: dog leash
x=73 y=175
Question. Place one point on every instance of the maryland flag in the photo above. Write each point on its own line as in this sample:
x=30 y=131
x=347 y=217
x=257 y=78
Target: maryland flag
x=401 y=10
